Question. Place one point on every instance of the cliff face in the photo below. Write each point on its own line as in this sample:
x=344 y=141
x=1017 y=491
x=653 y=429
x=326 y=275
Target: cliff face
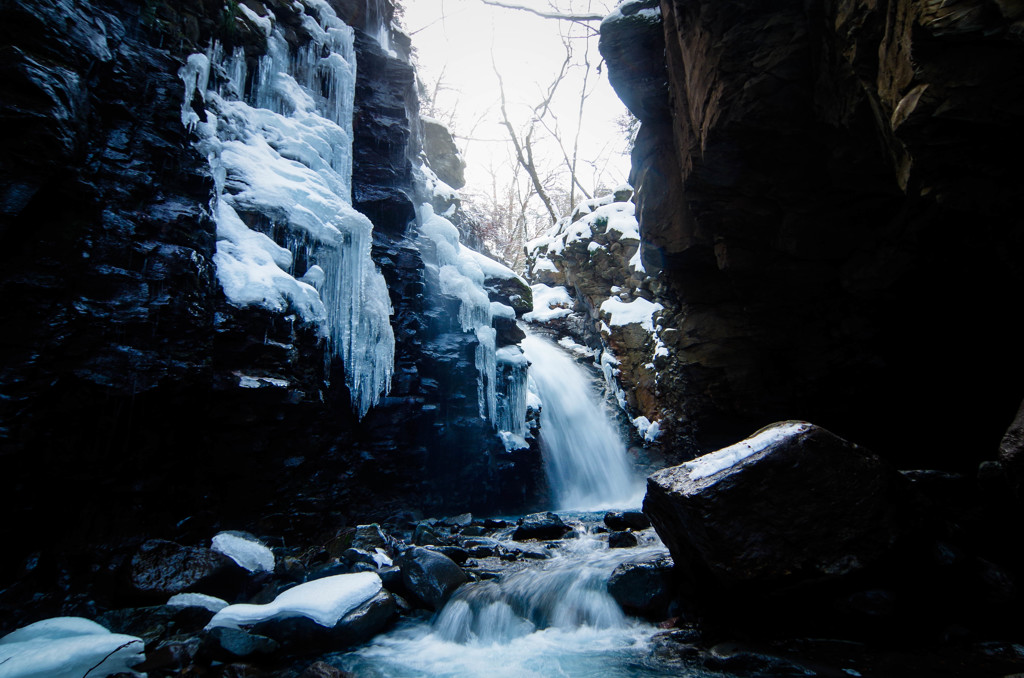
x=827 y=191
x=136 y=400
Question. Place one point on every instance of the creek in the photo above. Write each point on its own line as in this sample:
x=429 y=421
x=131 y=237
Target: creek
x=551 y=617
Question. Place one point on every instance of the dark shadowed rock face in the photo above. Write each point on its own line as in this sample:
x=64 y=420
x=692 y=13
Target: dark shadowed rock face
x=802 y=505
x=443 y=154
x=135 y=402
x=825 y=188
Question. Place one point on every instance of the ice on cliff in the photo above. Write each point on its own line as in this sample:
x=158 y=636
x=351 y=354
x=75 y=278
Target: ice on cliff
x=283 y=159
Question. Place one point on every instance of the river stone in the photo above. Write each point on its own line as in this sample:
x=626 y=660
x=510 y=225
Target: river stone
x=226 y=642
x=430 y=577
x=540 y=526
x=369 y=537
x=805 y=504
x=621 y=540
x=644 y=587
x=163 y=568
x=626 y=520
x=358 y=626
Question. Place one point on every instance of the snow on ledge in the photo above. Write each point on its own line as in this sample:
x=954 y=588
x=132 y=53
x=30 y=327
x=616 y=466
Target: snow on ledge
x=325 y=601
x=549 y=303
x=727 y=457
x=640 y=311
x=68 y=647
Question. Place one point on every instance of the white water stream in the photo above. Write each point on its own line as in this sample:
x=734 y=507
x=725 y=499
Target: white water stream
x=555 y=618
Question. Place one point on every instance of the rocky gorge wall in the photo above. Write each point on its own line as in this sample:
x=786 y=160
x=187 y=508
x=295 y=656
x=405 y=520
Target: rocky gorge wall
x=827 y=197
x=136 y=400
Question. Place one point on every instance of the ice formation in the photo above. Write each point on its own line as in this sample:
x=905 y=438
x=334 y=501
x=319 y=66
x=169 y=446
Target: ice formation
x=246 y=551
x=461 y=272
x=281 y=155
x=68 y=647
x=325 y=601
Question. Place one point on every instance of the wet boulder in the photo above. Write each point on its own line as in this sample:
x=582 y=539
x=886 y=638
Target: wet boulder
x=626 y=520
x=792 y=504
x=644 y=588
x=160 y=569
x=357 y=626
x=335 y=611
x=621 y=540
x=430 y=577
x=540 y=526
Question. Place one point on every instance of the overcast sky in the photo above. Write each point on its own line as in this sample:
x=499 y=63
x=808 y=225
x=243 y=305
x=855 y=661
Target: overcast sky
x=459 y=37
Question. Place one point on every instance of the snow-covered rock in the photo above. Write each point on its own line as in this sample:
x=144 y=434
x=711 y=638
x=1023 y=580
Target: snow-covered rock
x=245 y=550
x=68 y=647
x=792 y=503
x=324 y=601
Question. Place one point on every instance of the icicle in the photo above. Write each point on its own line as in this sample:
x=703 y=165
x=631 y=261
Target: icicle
x=286 y=154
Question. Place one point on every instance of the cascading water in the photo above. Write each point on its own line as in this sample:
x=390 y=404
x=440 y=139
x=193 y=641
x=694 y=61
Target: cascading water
x=584 y=455
x=554 y=619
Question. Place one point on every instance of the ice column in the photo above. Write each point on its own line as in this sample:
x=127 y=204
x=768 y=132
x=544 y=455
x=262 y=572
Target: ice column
x=279 y=143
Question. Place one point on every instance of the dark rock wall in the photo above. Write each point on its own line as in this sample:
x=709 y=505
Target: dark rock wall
x=827 y=190
x=121 y=411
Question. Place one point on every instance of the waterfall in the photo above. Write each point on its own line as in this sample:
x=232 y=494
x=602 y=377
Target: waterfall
x=584 y=455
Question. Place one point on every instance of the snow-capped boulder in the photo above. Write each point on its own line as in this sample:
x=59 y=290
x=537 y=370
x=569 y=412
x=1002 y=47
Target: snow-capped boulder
x=790 y=504
x=334 y=611
x=246 y=550
x=68 y=647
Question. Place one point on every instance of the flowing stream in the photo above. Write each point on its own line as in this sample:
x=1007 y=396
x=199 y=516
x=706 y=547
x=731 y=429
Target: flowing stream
x=552 y=617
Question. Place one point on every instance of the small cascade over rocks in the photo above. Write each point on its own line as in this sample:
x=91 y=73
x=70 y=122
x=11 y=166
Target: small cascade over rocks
x=279 y=142
x=552 y=617
x=585 y=458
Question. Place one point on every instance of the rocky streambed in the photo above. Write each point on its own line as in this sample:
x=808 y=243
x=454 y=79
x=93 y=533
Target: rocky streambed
x=576 y=594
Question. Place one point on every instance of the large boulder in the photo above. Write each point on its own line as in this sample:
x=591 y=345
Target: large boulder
x=789 y=505
x=430 y=577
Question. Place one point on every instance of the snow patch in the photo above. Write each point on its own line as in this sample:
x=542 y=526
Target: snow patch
x=249 y=553
x=197 y=600
x=325 y=601
x=68 y=647
x=727 y=457
x=549 y=303
x=639 y=311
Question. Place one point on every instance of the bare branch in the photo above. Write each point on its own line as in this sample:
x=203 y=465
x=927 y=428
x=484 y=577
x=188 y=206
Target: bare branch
x=524 y=150
x=565 y=16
